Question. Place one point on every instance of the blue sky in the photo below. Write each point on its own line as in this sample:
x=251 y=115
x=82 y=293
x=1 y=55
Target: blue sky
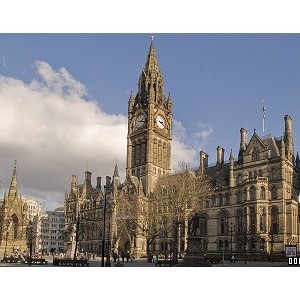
x=215 y=79
x=64 y=99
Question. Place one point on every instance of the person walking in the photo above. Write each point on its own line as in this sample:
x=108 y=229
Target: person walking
x=122 y=256
x=127 y=256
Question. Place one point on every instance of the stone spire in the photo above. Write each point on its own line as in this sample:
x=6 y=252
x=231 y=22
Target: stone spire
x=116 y=176
x=151 y=65
x=13 y=190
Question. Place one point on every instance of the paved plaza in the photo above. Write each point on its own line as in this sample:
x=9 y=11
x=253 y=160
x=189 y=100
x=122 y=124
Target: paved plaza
x=142 y=262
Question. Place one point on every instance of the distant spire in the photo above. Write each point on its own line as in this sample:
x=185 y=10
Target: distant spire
x=13 y=190
x=116 y=172
x=116 y=176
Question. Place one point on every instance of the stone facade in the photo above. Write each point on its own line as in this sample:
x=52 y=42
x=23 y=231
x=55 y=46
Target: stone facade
x=254 y=207
x=13 y=221
x=53 y=231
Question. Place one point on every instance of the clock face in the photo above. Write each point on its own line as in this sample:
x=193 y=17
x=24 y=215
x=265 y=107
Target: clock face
x=160 y=122
x=140 y=121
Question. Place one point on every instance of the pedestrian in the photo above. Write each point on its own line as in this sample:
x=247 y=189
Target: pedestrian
x=122 y=256
x=127 y=256
x=233 y=258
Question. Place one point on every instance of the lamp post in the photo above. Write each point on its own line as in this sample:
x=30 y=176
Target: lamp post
x=108 y=234
x=103 y=231
x=231 y=231
x=6 y=239
x=30 y=242
x=171 y=243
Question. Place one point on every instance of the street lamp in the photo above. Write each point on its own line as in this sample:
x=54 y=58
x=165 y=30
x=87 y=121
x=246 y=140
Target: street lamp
x=171 y=243
x=30 y=242
x=103 y=231
x=232 y=227
x=7 y=233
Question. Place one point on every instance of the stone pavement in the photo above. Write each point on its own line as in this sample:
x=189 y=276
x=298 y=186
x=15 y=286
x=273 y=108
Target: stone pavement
x=142 y=262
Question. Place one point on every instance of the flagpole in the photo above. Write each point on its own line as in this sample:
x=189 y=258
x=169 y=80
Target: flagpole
x=263 y=115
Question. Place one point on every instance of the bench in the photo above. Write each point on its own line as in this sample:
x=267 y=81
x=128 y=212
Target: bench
x=70 y=262
x=36 y=261
x=12 y=260
x=165 y=263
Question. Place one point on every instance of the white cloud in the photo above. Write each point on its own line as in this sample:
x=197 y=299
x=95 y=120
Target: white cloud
x=185 y=146
x=52 y=128
x=202 y=134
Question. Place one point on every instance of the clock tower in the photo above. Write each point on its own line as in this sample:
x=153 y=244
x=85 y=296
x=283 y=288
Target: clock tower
x=149 y=126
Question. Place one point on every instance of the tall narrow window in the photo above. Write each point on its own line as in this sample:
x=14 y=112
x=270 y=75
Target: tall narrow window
x=263 y=193
x=252 y=193
x=274 y=219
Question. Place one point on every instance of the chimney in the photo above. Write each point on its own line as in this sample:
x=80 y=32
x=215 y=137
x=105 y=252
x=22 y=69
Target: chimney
x=98 y=183
x=243 y=144
x=288 y=124
x=203 y=160
x=88 y=176
x=108 y=181
x=220 y=155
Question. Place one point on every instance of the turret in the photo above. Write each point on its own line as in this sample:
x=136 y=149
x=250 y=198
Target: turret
x=243 y=143
x=130 y=102
x=73 y=185
x=288 y=138
x=231 y=162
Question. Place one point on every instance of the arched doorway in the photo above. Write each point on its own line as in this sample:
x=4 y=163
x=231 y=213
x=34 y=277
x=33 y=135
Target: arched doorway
x=127 y=246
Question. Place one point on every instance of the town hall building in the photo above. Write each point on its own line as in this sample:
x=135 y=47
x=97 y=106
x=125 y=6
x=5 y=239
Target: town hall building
x=254 y=206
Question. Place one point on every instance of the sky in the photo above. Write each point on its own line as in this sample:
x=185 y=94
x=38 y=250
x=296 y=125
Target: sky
x=64 y=99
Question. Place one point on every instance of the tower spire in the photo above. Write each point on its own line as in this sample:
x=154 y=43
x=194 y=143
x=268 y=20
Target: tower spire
x=151 y=65
x=13 y=190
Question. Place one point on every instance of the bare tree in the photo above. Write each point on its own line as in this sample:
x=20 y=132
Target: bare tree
x=181 y=196
x=139 y=217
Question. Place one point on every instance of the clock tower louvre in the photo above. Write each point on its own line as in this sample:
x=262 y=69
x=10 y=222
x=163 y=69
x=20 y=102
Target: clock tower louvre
x=149 y=126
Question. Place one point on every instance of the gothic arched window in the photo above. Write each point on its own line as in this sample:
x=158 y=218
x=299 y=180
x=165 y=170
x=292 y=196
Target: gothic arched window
x=223 y=217
x=263 y=193
x=220 y=245
x=252 y=193
x=255 y=154
x=274 y=192
x=274 y=219
x=239 y=220
x=239 y=179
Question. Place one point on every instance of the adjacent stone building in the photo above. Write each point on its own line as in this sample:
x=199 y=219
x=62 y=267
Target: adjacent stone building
x=53 y=231
x=13 y=220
